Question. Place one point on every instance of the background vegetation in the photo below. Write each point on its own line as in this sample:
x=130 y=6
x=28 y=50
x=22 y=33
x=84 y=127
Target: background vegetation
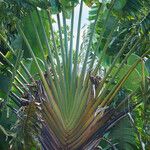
x=115 y=23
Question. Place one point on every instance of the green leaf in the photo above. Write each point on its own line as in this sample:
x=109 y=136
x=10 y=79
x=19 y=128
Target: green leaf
x=147 y=64
x=123 y=134
x=10 y=57
x=134 y=79
x=119 y=4
x=5 y=79
x=55 y=6
x=30 y=65
x=90 y=2
x=31 y=35
x=7 y=124
x=132 y=58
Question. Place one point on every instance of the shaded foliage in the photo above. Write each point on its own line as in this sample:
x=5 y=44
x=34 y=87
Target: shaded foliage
x=57 y=104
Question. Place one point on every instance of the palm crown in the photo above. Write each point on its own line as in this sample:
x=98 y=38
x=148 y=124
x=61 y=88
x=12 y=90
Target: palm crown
x=65 y=107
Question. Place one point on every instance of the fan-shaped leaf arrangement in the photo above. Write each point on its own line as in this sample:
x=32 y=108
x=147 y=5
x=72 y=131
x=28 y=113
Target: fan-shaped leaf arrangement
x=67 y=105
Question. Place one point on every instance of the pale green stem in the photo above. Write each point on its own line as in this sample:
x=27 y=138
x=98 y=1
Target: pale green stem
x=77 y=47
x=52 y=101
x=45 y=62
x=63 y=60
x=81 y=78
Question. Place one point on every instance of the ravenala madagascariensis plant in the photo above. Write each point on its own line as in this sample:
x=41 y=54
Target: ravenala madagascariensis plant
x=68 y=103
